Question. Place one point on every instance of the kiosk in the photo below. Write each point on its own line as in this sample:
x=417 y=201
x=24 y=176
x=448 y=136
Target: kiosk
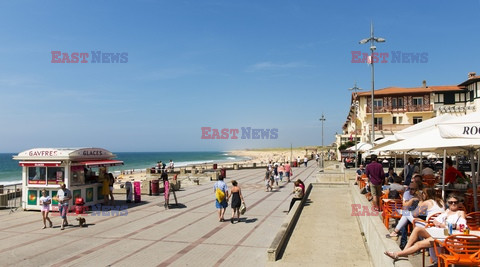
x=81 y=169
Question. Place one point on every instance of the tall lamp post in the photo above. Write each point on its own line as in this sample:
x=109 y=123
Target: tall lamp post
x=372 y=39
x=355 y=106
x=322 y=119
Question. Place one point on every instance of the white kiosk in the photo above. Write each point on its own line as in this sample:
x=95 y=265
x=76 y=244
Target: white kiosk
x=81 y=169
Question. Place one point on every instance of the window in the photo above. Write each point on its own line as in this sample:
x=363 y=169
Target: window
x=449 y=99
x=378 y=103
x=400 y=102
x=36 y=175
x=44 y=175
x=394 y=120
x=400 y=120
x=460 y=97
x=417 y=101
x=439 y=98
x=417 y=120
x=394 y=102
x=378 y=123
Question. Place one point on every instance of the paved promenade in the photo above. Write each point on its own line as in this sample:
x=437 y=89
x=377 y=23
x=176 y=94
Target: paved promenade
x=190 y=234
x=326 y=234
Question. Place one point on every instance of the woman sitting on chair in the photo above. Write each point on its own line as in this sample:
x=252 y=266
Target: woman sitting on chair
x=452 y=215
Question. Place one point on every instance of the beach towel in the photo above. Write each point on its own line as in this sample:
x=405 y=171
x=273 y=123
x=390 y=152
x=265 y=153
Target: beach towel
x=219 y=195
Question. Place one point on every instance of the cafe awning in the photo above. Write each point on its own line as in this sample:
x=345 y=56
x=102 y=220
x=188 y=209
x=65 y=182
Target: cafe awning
x=102 y=163
x=40 y=163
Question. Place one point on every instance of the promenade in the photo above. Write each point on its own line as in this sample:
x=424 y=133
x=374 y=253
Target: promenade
x=190 y=234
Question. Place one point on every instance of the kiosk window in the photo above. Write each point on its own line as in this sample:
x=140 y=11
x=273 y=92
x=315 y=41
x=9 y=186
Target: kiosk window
x=55 y=175
x=37 y=175
x=78 y=175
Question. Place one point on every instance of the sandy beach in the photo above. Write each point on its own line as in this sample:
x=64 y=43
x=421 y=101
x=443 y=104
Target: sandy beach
x=259 y=156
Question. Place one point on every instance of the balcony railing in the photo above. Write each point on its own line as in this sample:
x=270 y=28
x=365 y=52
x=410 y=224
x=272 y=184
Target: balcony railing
x=390 y=109
x=391 y=127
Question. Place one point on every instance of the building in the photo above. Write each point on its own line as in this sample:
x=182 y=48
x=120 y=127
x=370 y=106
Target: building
x=397 y=108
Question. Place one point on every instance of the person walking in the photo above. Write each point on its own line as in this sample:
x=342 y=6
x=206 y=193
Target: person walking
x=288 y=171
x=111 y=181
x=166 y=187
x=64 y=195
x=281 y=170
x=376 y=177
x=221 y=195
x=268 y=174
x=237 y=200
x=45 y=201
x=305 y=161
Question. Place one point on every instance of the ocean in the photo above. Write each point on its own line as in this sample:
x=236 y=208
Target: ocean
x=10 y=172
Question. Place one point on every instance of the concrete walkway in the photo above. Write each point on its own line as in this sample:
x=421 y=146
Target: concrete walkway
x=149 y=235
x=326 y=233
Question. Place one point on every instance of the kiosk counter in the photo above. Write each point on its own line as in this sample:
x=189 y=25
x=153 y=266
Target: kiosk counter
x=81 y=169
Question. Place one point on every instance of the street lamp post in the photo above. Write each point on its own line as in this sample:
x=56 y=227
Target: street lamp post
x=322 y=119
x=355 y=106
x=372 y=39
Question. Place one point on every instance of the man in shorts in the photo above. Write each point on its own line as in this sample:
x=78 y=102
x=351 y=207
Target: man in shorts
x=64 y=195
x=221 y=205
x=376 y=177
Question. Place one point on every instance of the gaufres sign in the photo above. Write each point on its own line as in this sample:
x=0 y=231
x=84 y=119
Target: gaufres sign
x=61 y=154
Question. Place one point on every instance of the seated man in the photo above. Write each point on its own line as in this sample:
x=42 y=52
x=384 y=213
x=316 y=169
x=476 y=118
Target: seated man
x=390 y=176
x=360 y=173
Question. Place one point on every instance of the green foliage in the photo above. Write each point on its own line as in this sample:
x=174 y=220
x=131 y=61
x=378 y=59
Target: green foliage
x=346 y=145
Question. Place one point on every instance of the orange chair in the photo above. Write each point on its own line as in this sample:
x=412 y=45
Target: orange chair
x=473 y=220
x=391 y=210
x=428 y=223
x=459 y=250
x=469 y=202
x=429 y=180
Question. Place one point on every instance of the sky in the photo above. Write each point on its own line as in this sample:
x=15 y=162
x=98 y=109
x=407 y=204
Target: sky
x=273 y=64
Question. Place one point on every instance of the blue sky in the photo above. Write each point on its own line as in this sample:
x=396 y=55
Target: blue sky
x=220 y=64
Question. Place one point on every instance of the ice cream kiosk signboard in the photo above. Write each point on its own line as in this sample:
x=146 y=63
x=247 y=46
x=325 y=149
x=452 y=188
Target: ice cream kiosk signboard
x=81 y=169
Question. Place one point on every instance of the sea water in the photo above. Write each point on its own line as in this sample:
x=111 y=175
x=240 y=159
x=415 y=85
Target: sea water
x=11 y=172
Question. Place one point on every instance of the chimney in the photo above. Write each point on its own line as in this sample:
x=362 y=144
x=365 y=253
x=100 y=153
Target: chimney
x=424 y=84
x=471 y=75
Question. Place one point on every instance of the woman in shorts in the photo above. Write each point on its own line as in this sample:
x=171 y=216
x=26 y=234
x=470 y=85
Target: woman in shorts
x=45 y=201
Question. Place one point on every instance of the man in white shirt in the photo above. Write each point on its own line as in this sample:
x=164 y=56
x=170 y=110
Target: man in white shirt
x=63 y=196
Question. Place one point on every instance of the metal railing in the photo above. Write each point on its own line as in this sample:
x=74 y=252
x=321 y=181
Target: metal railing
x=11 y=196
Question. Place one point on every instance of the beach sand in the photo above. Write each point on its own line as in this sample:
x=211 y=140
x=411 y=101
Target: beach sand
x=259 y=156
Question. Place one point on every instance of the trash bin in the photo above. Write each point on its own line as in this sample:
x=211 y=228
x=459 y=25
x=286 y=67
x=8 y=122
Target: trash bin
x=129 y=191
x=215 y=166
x=155 y=187
x=223 y=172
x=79 y=205
x=137 y=192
